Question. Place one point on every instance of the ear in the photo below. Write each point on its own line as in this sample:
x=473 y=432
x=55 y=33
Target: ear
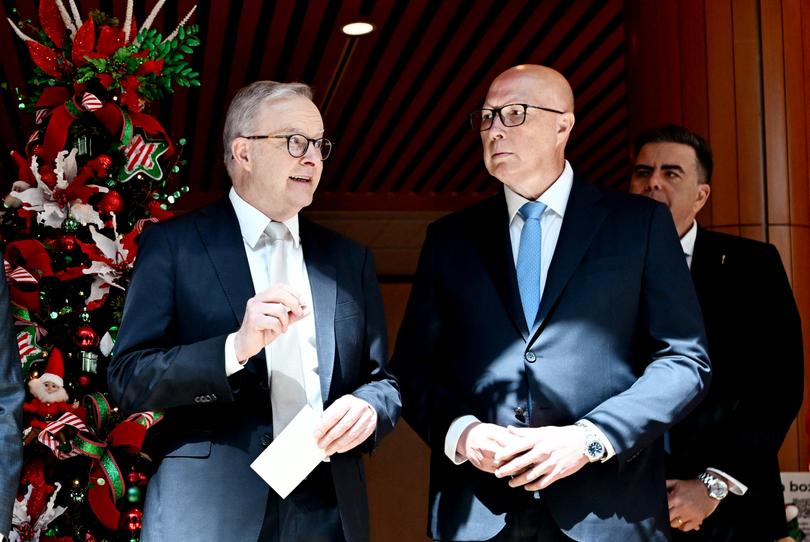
x=704 y=190
x=564 y=126
x=240 y=151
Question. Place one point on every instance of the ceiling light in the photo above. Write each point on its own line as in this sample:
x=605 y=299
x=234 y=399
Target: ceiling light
x=357 y=29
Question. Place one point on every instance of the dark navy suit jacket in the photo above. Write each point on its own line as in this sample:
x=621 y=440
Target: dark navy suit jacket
x=188 y=292
x=619 y=341
x=755 y=344
x=12 y=395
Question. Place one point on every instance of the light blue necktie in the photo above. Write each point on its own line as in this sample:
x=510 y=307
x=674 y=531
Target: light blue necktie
x=528 y=260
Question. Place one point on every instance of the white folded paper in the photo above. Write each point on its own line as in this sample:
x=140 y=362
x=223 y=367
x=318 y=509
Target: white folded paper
x=292 y=455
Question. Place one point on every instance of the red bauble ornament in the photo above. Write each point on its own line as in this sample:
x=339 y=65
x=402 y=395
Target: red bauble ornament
x=67 y=242
x=134 y=519
x=85 y=337
x=111 y=202
x=104 y=161
x=84 y=380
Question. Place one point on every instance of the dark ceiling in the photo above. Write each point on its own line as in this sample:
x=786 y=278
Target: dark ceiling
x=395 y=101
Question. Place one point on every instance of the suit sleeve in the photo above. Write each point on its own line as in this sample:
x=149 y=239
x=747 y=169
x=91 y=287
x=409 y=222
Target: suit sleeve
x=678 y=373
x=12 y=395
x=381 y=389
x=149 y=370
x=769 y=389
x=429 y=407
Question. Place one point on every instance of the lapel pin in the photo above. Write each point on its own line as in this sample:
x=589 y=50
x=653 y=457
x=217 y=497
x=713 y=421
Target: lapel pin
x=722 y=259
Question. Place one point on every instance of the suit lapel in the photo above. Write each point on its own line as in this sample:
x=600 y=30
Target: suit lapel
x=220 y=235
x=583 y=216
x=705 y=261
x=495 y=247
x=320 y=258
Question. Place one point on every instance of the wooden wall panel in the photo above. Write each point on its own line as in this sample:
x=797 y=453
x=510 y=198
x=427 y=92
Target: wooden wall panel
x=722 y=113
x=776 y=149
x=748 y=100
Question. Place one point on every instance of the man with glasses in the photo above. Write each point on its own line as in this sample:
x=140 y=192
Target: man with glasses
x=238 y=316
x=552 y=336
x=723 y=476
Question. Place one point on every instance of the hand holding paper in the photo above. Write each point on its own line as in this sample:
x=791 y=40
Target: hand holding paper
x=292 y=455
x=345 y=424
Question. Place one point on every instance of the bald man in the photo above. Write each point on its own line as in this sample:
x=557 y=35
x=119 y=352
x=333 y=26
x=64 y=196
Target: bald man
x=552 y=336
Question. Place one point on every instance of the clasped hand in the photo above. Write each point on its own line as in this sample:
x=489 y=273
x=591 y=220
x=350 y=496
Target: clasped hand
x=532 y=457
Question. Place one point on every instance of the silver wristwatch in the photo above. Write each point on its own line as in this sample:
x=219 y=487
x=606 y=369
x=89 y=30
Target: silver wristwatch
x=716 y=487
x=594 y=449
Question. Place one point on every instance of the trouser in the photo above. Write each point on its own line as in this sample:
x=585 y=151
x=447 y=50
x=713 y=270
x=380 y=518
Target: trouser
x=308 y=514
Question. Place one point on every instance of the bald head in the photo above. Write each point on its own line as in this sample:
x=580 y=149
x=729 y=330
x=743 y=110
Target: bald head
x=546 y=84
x=527 y=151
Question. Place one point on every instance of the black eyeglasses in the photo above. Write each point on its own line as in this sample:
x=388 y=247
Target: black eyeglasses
x=298 y=144
x=511 y=115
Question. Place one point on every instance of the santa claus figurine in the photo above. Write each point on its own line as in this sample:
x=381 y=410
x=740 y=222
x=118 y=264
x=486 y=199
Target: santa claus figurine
x=50 y=398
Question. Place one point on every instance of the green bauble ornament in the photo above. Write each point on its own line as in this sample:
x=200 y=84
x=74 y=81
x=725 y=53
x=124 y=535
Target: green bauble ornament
x=134 y=494
x=70 y=225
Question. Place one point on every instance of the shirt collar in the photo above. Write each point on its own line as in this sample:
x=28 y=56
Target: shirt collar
x=555 y=197
x=252 y=222
x=688 y=240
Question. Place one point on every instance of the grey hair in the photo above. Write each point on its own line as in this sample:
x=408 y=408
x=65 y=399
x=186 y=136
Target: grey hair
x=245 y=106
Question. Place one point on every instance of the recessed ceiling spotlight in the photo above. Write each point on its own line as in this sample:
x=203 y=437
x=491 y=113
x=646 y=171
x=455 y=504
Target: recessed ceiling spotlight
x=357 y=29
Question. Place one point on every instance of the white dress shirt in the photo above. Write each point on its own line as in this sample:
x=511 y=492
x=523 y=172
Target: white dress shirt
x=556 y=200
x=252 y=224
x=688 y=246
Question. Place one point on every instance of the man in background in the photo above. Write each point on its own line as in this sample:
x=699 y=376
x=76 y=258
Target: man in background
x=723 y=469
x=12 y=395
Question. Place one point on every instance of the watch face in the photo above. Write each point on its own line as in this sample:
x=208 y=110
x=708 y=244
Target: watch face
x=718 y=489
x=595 y=450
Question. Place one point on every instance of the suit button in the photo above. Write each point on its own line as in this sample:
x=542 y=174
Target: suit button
x=530 y=356
x=266 y=439
x=520 y=414
x=263 y=386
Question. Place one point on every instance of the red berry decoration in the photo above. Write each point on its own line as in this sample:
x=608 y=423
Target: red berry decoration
x=86 y=337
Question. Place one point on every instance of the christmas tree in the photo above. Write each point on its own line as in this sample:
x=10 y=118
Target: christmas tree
x=98 y=169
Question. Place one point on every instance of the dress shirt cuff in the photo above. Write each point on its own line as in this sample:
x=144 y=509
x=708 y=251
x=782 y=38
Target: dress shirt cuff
x=734 y=485
x=232 y=364
x=453 y=434
x=609 y=451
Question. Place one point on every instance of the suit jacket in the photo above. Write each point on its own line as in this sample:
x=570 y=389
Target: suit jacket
x=619 y=341
x=12 y=394
x=188 y=292
x=755 y=344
